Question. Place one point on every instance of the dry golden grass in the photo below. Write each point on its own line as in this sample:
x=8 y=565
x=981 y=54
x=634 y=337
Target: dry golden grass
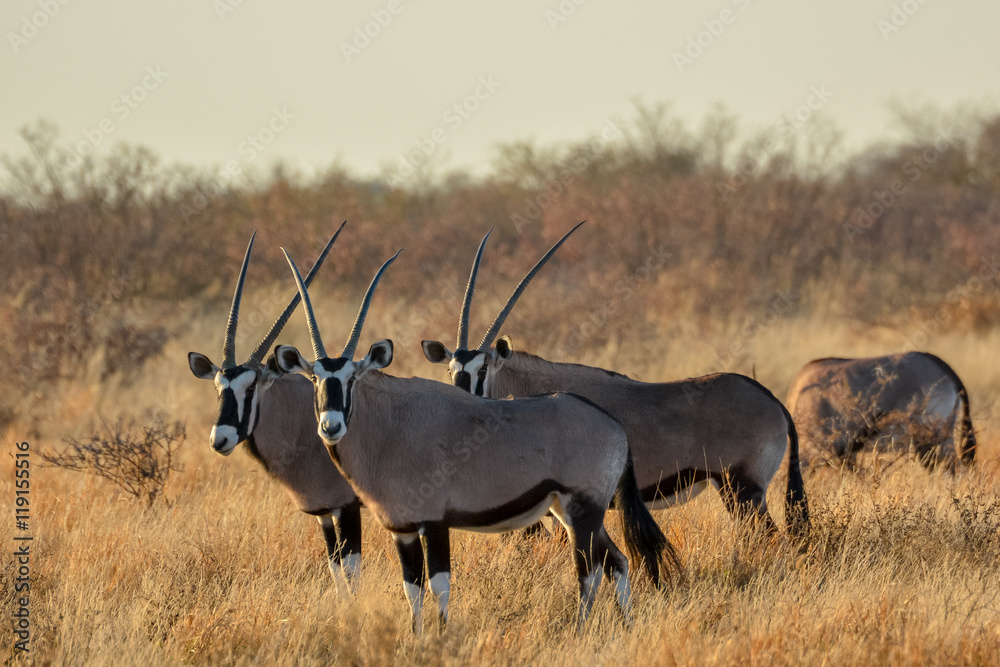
x=670 y=279
x=902 y=568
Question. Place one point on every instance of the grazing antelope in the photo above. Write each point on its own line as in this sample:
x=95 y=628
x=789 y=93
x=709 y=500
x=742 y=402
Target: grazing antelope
x=723 y=430
x=271 y=413
x=841 y=405
x=425 y=457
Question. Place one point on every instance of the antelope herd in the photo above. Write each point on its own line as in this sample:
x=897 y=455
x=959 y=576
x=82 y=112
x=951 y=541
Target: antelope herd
x=518 y=437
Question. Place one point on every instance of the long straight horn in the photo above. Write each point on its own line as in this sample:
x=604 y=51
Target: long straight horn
x=505 y=311
x=470 y=289
x=279 y=323
x=229 y=347
x=318 y=350
x=359 y=323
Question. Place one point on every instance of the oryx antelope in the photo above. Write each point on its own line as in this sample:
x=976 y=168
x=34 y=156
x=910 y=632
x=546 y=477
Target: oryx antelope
x=425 y=457
x=724 y=430
x=272 y=413
x=842 y=405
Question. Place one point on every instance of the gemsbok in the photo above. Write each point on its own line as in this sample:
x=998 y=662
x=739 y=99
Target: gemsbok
x=896 y=401
x=724 y=430
x=272 y=413
x=425 y=457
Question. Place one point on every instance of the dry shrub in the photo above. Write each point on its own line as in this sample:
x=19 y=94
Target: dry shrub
x=681 y=237
x=136 y=457
x=862 y=436
x=902 y=566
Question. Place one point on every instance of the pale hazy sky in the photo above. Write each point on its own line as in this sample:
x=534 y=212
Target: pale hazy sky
x=222 y=74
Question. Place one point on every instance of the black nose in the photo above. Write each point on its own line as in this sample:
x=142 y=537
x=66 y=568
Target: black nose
x=463 y=380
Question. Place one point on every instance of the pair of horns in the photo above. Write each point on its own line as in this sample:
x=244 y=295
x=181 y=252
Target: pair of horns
x=491 y=333
x=317 y=341
x=229 y=347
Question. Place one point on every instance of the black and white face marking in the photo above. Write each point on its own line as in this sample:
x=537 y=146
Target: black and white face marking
x=239 y=408
x=470 y=371
x=334 y=381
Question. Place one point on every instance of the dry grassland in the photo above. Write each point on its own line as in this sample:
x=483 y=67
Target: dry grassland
x=689 y=264
x=902 y=566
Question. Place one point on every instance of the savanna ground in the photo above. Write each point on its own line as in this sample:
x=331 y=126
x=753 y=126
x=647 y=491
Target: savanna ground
x=704 y=251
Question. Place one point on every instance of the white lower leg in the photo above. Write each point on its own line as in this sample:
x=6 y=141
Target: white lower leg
x=335 y=569
x=623 y=594
x=588 y=591
x=441 y=590
x=415 y=596
x=351 y=564
x=352 y=571
x=348 y=571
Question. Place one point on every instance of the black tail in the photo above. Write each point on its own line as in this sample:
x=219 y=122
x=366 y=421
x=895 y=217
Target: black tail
x=644 y=540
x=796 y=505
x=965 y=446
x=967 y=436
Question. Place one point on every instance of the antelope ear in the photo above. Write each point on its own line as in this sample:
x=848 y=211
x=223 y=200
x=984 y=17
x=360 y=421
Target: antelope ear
x=271 y=371
x=436 y=352
x=505 y=348
x=202 y=366
x=379 y=356
x=288 y=360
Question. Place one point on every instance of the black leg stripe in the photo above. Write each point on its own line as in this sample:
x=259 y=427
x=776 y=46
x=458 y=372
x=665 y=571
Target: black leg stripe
x=411 y=558
x=350 y=528
x=437 y=548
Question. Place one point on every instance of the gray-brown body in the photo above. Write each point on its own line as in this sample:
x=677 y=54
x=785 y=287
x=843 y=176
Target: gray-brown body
x=285 y=442
x=426 y=458
x=467 y=461
x=272 y=415
x=722 y=430
x=914 y=398
x=684 y=435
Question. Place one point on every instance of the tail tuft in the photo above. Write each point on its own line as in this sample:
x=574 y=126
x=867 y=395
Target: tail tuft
x=644 y=540
x=967 y=436
x=796 y=504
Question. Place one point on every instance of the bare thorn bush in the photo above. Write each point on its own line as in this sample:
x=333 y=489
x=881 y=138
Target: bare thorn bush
x=137 y=457
x=862 y=436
